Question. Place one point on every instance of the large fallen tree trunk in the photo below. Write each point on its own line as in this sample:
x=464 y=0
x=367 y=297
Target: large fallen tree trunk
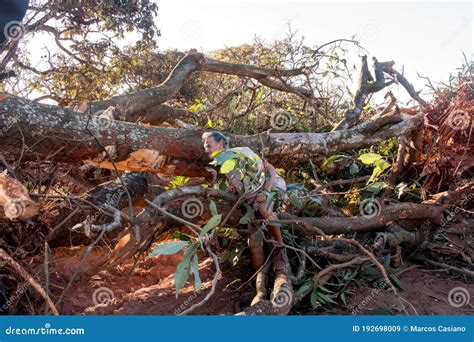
x=33 y=130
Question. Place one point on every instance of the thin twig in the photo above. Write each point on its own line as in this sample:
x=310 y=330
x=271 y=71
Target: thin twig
x=25 y=275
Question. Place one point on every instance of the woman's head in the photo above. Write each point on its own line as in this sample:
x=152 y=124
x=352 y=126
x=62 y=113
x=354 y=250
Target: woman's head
x=214 y=141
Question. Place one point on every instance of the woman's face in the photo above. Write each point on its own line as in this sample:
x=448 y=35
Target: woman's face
x=211 y=146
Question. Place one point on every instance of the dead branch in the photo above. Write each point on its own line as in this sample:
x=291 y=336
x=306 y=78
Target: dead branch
x=25 y=275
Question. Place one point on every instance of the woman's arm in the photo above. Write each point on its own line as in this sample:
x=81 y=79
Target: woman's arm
x=269 y=184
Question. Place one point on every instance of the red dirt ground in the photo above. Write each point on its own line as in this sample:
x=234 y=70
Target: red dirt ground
x=148 y=289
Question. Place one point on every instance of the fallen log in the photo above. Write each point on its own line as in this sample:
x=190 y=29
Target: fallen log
x=34 y=130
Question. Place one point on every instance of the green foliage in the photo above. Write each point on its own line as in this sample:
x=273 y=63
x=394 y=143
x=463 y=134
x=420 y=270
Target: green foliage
x=376 y=159
x=234 y=254
x=321 y=295
x=228 y=165
x=333 y=158
x=244 y=167
x=177 y=182
x=92 y=62
x=248 y=216
x=183 y=269
x=369 y=158
x=212 y=223
x=213 y=208
x=169 y=248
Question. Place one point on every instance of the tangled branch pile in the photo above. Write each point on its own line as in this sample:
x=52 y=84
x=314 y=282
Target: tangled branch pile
x=366 y=199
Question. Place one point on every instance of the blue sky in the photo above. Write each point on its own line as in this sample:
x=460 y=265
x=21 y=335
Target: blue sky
x=427 y=37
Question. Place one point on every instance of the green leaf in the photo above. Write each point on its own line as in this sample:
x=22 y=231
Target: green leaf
x=182 y=236
x=183 y=269
x=382 y=164
x=354 y=169
x=343 y=298
x=314 y=299
x=270 y=198
x=213 y=208
x=220 y=157
x=333 y=158
x=369 y=158
x=228 y=165
x=179 y=181
x=295 y=186
x=325 y=298
x=249 y=215
x=376 y=187
x=169 y=248
x=396 y=281
x=295 y=200
x=303 y=288
x=371 y=273
x=195 y=271
x=213 y=222
x=322 y=288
